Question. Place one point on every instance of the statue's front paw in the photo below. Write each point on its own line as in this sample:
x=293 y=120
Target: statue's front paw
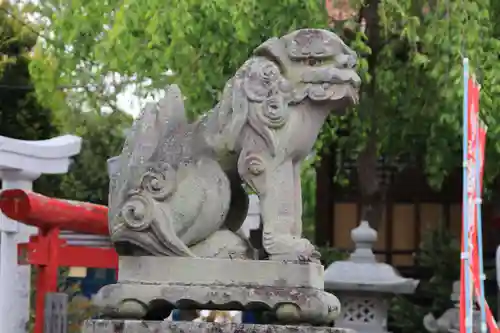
x=289 y=248
x=308 y=252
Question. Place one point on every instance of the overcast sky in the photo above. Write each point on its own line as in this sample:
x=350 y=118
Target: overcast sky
x=130 y=103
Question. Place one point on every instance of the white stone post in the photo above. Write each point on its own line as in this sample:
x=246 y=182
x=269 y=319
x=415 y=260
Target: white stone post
x=252 y=220
x=22 y=162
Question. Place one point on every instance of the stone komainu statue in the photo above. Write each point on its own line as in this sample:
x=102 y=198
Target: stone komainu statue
x=179 y=189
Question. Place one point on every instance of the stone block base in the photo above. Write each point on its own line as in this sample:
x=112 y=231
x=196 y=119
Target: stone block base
x=205 y=271
x=131 y=326
x=143 y=301
x=148 y=286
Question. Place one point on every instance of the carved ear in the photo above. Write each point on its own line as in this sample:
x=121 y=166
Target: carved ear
x=171 y=112
x=275 y=50
x=153 y=124
x=140 y=144
x=144 y=136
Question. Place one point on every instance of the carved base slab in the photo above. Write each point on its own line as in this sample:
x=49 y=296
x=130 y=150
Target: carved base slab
x=129 y=326
x=203 y=271
x=149 y=288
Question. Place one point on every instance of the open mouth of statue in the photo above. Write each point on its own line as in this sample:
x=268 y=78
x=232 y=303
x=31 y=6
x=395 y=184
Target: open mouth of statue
x=322 y=92
x=328 y=84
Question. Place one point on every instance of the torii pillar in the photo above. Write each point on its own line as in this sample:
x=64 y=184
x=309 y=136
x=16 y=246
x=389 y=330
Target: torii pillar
x=22 y=162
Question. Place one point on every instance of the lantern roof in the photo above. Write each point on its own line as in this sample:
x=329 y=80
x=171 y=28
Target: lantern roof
x=362 y=271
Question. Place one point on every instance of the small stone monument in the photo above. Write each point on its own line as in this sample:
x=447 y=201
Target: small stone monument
x=177 y=201
x=364 y=285
x=449 y=320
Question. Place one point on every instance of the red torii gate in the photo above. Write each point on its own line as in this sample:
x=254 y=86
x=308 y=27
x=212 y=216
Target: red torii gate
x=53 y=246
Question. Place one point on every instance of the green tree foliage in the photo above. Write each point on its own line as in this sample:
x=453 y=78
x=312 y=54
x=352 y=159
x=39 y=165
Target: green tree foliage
x=308 y=183
x=202 y=42
x=103 y=136
x=411 y=107
x=22 y=116
x=410 y=61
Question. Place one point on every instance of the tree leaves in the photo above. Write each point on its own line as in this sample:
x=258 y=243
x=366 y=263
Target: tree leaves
x=22 y=116
x=202 y=42
x=103 y=137
x=419 y=79
x=417 y=96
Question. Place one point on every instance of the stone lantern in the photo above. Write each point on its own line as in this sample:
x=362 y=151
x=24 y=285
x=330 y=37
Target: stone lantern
x=364 y=286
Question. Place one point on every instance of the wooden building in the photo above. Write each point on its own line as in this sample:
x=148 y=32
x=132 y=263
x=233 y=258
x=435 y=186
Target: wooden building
x=411 y=208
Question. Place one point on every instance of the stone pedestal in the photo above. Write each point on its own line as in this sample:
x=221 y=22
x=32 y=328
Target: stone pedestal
x=151 y=287
x=130 y=326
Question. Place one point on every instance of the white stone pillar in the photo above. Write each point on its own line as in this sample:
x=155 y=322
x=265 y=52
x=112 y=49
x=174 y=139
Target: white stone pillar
x=252 y=220
x=22 y=162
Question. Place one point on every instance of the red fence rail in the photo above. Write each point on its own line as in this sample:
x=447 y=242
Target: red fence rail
x=47 y=251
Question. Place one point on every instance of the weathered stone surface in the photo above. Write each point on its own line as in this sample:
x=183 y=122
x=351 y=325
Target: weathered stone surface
x=177 y=189
x=129 y=326
x=198 y=271
x=138 y=300
x=293 y=290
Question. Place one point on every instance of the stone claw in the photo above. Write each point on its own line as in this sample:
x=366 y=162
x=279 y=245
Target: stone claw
x=295 y=249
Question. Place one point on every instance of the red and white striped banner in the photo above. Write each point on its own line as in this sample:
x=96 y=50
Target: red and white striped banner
x=474 y=168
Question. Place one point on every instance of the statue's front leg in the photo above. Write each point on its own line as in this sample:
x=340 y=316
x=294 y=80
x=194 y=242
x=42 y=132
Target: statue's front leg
x=276 y=185
x=297 y=227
